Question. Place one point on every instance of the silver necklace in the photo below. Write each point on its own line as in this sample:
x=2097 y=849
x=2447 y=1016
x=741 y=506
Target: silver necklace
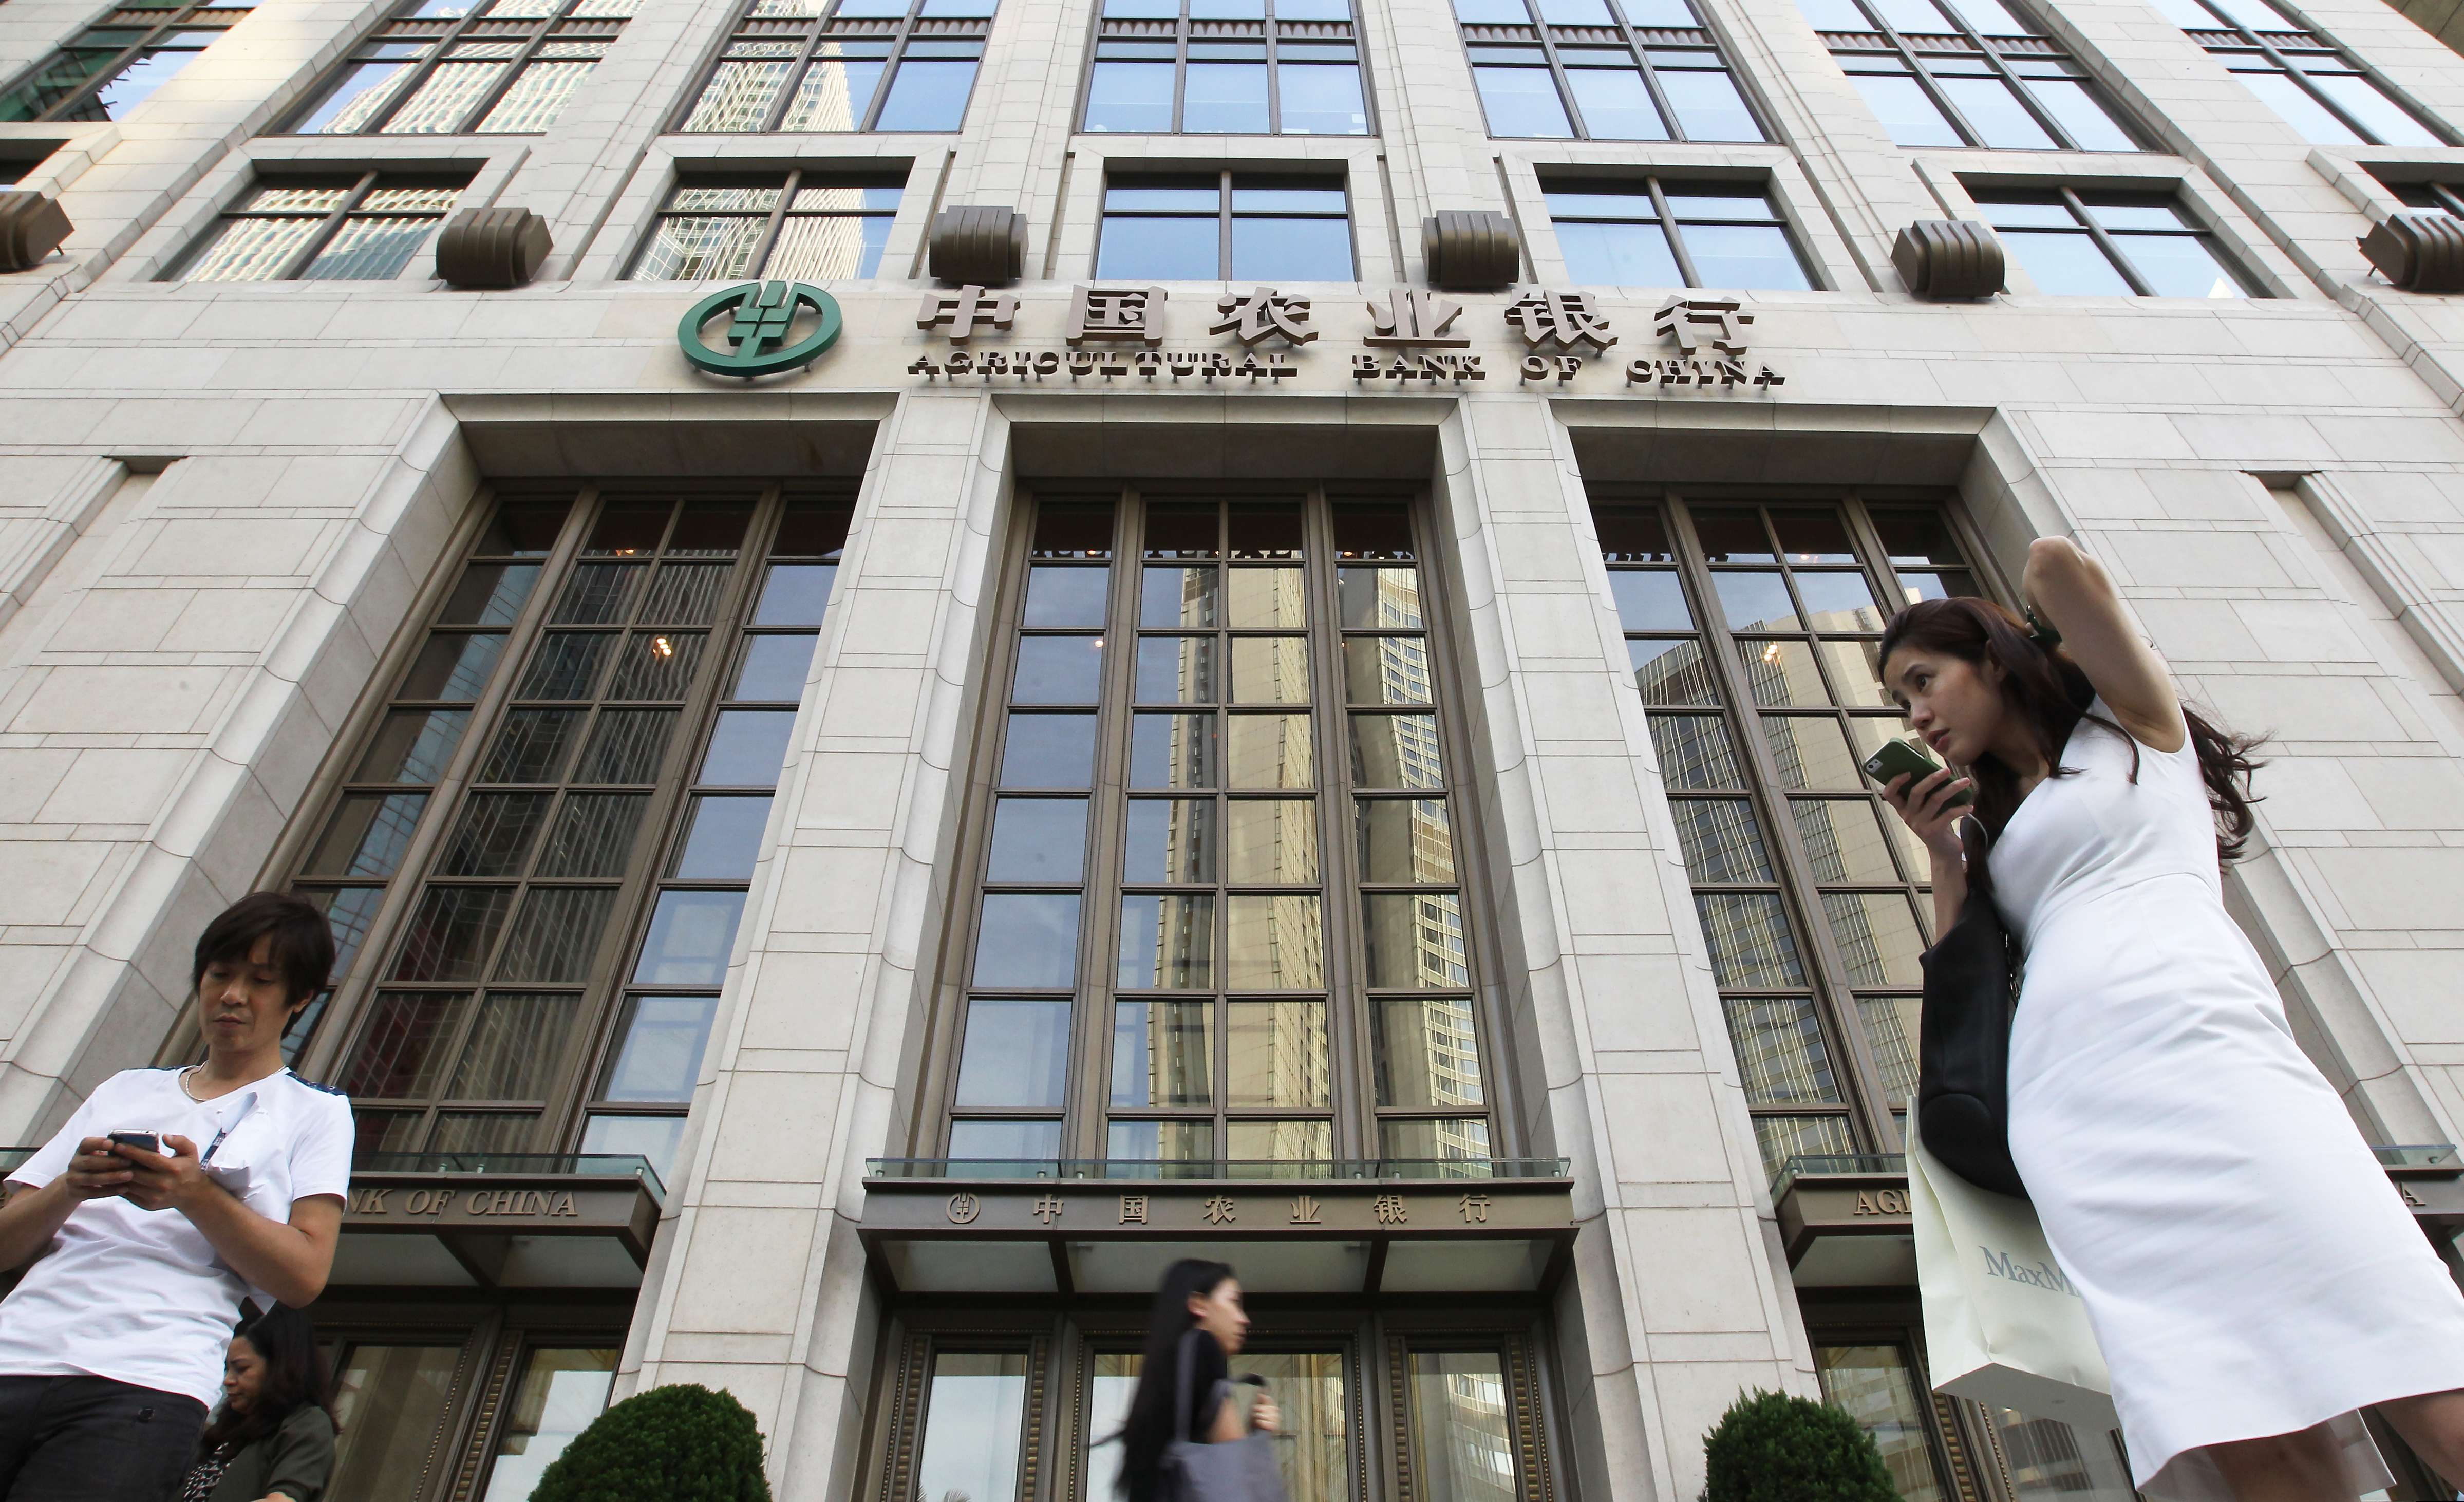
x=187 y=1089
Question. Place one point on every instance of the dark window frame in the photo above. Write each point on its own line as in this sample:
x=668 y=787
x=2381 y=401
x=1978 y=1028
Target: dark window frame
x=1995 y=52
x=1867 y=1098
x=812 y=32
x=2105 y=239
x=1273 y=31
x=2429 y=193
x=1657 y=187
x=359 y=183
x=793 y=181
x=157 y=26
x=1087 y=1112
x=1226 y=182
x=2227 y=39
x=562 y=24
x=1637 y=40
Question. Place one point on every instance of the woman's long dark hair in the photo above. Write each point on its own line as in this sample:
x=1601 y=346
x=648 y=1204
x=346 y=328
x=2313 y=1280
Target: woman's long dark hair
x=295 y=1378
x=2051 y=694
x=1151 y=1423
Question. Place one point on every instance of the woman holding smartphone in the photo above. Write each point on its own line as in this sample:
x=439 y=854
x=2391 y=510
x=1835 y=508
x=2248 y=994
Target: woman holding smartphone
x=112 y=1345
x=2253 y=1277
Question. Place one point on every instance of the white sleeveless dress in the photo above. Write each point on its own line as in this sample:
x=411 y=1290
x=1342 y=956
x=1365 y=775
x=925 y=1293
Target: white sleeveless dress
x=2246 y=1264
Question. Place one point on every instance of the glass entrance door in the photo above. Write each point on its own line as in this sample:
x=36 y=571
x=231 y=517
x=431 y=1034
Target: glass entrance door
x=1310 y=1386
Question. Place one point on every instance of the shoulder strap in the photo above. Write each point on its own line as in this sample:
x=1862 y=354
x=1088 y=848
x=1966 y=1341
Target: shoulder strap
x=1973 y=842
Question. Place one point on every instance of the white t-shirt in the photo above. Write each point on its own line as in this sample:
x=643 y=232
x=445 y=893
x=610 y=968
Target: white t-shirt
x=140 y=1296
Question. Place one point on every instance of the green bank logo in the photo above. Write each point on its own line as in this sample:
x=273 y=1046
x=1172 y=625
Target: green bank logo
x=755 y=341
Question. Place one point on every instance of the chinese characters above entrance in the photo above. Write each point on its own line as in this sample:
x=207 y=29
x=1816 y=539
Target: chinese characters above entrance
x=1411 y=337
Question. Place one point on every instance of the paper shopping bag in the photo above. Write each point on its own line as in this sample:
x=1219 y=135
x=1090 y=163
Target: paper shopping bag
x=2003 y=1325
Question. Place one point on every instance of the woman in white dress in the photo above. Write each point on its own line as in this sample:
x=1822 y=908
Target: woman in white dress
x=2253 y=1277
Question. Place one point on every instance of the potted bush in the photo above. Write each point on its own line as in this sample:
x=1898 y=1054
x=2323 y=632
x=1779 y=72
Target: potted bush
x=681 y=1444
x=1772 y=1448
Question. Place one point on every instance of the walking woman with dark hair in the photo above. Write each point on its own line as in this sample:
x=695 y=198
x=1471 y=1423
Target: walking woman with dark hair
x=1205 y=1297
x=2253 y=1277
x=273 y=1438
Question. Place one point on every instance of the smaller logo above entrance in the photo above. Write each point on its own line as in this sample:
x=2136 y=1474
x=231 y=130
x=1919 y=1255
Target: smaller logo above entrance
x=755 y=342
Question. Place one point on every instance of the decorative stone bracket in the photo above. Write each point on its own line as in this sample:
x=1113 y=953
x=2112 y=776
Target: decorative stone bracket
x=2418 y=251
x=982 y=245
x=32 y=227
x=1471 y=248
x=491 y=249
x=1950 y=259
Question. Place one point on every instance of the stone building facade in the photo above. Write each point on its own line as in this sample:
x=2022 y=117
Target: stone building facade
x=847 y=872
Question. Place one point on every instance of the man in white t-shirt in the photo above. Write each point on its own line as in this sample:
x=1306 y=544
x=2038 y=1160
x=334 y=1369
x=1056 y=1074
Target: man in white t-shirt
x=111 y=1348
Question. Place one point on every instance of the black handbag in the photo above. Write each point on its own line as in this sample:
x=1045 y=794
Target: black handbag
x=1972 y=984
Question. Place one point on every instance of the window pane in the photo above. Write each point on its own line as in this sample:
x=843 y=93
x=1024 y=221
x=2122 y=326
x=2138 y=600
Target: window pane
x=1267 y=599
x=973 y=1420
x=1279 y=1141
x=661 y=1052
x=628 y=745
x=1873 y=1382
x=1749 y=940
x=926 y=96
x=249 y=249
x=1005 y=1139
x=1131 y=97
x=1176 y=670
x=1396 y=751
x=1164 y=1053
x=738 y=95
x=367 y=835
x=1171 y=839
x=1060 y=595
x=747 y=747
x=1671 y=672
x=685 y=594
x=2314 y=121
x=1404 y=840
x=2065 y=265
x=1843 y=837
x=691 y=936
x=411 y=746
x=452 y=932
x=1722 y=840
x=1878 y=936
x=828 y=247
x=389 y=1402
x=348 y=912
x=775 y=666
x=1274 y=670
x=355 y=100
x=654 y=1139
x=1460 y=1433
x=2179 y=266
x=1781 y=673
x=1783 y=1138
x=834 y=94
x=2081 y=114
x=1522 y=101
x=1038 y=841
x=1167 y=943
x=1291 y=249
x=1176 y=751
x=1321 y=99
x=1649 y=599
x=138 y=79
x=1049 y=751
x=1891 y=1030
x=1278 y=1057
x=1780 y=1054
x=445 y=98
x=722 y=839
x=1223 y=98
x=2379 y=114
x=1615 y=105
x=1058 y=670
x=795 y=594
x=1748 y=255
x=1694 y=751
x=1455 y=1139
x=563 y=1389
x=1277 y=945
x=656 y=665
x=1383 y=598
x=556 y=934
x=1839 y=602
x=1996 y=114
x=1904 y=109
x=1268 y=751
x=402 y=1055
x=494 y=837
x=1140 y=249
x=1755 y=600
x=1016 y=1054
x=1427 y=1053
x=1175 y=596
x=1856 y=672
x=1414 y=942
x=1160 y=1142
x=691 y=248
x=1028 y=939
x=564 y=666
x=1271 y=841
x=515 y=1044
x=1709 y=107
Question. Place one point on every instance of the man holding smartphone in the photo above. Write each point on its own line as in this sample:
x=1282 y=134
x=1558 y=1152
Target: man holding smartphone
x=169 y=1198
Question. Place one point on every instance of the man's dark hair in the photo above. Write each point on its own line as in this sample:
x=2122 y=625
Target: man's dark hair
x=303 y=945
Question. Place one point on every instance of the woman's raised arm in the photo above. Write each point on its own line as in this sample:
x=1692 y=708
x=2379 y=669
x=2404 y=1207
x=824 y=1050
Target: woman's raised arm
x=2071 y=592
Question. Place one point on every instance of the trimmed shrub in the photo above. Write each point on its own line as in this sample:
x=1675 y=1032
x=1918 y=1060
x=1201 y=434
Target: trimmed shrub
x=681 y=1444
x=1772 y=1448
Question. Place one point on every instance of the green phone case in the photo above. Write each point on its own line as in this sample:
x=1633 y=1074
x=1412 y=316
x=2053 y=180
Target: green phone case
x=1901 y=756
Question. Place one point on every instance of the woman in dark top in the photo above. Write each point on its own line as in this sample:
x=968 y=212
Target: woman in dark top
x=273 y=1438
x=1204 y=1296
